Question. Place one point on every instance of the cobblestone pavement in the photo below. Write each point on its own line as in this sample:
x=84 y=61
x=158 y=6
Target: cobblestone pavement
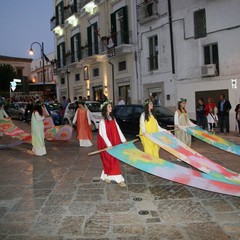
x=60 y=197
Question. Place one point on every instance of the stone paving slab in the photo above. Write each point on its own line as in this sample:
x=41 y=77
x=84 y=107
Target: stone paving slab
x=60 y=197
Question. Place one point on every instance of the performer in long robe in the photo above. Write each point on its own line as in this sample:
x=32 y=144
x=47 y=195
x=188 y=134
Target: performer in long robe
x=37 y=128
x=84 y=126
x=110 y=134
x=149 y=124
x=3 y=114
x=181 y=119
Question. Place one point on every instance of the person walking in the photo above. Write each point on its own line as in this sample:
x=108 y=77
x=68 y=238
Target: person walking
x=224 y=106
x=109 y=134
x=84 y=126
x=201 y=114
x=37 y=131
x=181 y=119
x=149 y=124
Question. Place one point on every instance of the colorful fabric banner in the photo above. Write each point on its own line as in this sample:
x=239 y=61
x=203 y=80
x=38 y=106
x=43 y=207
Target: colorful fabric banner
x=212 y=139
x=129 y=154
x=52 y=133
x=171 y=144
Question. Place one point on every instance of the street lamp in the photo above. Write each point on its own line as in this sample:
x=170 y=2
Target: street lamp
x=43 y=56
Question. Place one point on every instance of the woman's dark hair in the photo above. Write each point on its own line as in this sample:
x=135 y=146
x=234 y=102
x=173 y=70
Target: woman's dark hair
x=38 y=108
x=104 y=112
x=146 y=109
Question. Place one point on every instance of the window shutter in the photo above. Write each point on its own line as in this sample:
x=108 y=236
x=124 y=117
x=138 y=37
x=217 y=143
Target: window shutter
x=114 y=28
x=72 y=50
x=95 y=30
x=79 y=46
x=64 y=58
x=125 y=25
x=89 y=34
x=58 y=56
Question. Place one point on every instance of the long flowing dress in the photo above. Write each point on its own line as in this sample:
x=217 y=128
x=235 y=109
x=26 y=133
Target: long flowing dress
x=37 y=128
x=109 y=134
x=84 y=130
x=2 y=115
x=149 y=126
x=182 y=119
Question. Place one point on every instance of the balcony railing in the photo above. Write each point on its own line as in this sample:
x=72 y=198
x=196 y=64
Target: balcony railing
x=147 y=11
x=70 y=10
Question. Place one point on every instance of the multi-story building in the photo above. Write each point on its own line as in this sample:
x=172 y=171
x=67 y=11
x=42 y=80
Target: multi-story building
x=48 y=81
x=94 y=45
x=166 y=49
x=189 y=49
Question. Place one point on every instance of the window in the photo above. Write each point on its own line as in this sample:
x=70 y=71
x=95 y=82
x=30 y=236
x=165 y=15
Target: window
x=59 y=13
x=77 y=77
x=92 y=33
x=75 y=48
x=62 y=80
x=61 y=55
x=153 y=53
x=122 y=66
x=119 y=26
x=200 y=29
x=95 y=72
x=211 y=55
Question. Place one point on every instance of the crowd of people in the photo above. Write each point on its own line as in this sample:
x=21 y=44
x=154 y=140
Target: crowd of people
x=209 y=115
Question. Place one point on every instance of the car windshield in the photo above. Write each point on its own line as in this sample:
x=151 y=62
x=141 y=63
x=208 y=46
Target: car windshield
x=94 y=107
x=54 y=106
x=163 y=112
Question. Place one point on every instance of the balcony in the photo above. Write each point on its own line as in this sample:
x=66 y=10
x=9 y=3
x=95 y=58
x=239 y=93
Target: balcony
x=147 y=11
x=70 y=11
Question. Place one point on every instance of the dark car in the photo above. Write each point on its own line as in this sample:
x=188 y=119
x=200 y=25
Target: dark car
x=54 y=111
x=127 y=117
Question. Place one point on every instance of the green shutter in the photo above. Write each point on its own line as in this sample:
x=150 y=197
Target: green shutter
x=95 y=27
x=89 y=34
x=58 y=56
x=125 y=25
x=64 y=58
x=78 y=46
x=72 y=50
x=114 y=28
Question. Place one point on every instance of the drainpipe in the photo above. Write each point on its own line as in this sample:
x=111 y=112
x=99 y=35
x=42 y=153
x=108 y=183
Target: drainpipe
x=171 y=36
x=113 y=96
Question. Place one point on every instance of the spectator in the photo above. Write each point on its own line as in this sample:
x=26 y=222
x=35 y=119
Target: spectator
x=212 y=119
x=3 y=114
x=224 y=106
x=201 y=115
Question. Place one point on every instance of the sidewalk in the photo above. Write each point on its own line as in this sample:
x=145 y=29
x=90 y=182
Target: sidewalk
x=60 y=197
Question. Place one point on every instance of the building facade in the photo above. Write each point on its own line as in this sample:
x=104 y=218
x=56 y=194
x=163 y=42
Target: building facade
x=94 y=45
x=165 y=49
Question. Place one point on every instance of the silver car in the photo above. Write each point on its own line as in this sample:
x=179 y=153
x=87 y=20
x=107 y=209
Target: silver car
x=17 y=110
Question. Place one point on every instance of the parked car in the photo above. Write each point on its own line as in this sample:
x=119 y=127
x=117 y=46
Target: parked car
x=128 y=116
x=92 y=106
x=17 y=110
x=54 y=111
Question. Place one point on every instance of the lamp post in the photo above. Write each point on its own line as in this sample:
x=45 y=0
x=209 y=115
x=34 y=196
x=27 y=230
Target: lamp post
x=31 y=52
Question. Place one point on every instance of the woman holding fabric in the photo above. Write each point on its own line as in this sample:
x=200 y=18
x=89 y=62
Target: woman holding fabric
x=37 y=128
x=149 y=124
x=181 y=119
x=84 y=126
x=109 y=134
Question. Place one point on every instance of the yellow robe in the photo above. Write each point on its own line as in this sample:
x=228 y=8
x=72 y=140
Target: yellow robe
x=151 y=126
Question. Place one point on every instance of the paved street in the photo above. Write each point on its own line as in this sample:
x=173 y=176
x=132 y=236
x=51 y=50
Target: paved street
x=60 y=197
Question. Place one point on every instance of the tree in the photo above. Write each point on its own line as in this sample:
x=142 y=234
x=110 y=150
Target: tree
x=7 y=74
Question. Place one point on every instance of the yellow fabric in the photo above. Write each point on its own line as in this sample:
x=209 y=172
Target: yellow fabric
x=149 y=147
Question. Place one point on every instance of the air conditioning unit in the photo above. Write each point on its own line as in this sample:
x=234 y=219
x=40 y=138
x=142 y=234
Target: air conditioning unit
x=208 y=70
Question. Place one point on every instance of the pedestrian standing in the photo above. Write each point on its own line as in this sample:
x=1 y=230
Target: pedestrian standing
x=201 y=114
x=181 y=119
x=84 y=126
x=149 y=124
x=224 y=106
x=37 y=130
x=109 y=134
x=212 y=119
